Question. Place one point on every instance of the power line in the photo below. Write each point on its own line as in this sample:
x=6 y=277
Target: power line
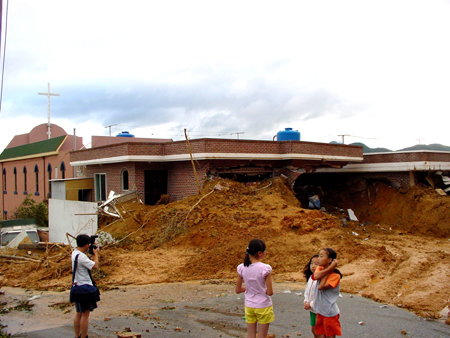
x=4 y=47
x=344 y=135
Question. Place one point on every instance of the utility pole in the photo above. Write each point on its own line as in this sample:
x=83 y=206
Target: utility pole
x=192 y=160
x=343 y=137
x=49 y=133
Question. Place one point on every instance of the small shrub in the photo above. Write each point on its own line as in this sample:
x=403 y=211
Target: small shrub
x=29 y=208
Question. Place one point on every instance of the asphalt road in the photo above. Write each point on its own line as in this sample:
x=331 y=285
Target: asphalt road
x=223 y=317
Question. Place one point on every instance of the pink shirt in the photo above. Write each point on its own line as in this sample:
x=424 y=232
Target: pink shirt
x=254 y=277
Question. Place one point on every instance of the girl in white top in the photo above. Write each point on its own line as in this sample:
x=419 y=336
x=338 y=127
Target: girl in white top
x=257 y=277
x=310 y=291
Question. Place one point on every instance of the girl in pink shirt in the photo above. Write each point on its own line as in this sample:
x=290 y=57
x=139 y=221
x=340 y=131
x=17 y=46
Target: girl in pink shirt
x=258 y=289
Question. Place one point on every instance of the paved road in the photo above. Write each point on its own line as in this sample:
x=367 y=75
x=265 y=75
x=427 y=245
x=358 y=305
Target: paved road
x=223 y=317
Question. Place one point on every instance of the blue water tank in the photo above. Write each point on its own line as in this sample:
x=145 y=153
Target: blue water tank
x=124 y=134
x=288 y=135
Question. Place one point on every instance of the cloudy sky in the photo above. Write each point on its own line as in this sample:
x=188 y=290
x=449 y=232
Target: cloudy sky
x=376 y=70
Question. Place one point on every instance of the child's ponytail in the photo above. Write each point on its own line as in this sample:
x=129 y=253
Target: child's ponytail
x=255 y=246
x=247 y=259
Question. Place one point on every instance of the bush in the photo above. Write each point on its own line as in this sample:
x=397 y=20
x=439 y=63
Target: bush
x=31 y=209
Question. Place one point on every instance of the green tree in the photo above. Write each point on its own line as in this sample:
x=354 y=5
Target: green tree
x=31 y=209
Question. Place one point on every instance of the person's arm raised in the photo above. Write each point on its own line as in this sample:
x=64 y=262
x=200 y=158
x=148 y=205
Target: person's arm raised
x=320 y=274
x=96 y=257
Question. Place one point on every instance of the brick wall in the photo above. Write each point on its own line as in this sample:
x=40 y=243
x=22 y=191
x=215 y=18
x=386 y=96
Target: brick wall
x=420 y=156
x=182 y=182
x=217 y=146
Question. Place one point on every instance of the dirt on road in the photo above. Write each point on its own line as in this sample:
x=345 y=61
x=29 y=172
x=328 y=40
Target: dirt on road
x=397 y=253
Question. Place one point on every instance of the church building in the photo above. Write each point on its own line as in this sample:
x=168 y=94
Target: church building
x=30 y=161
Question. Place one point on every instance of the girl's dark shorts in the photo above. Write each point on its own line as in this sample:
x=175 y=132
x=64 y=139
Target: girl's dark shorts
x=82 y=307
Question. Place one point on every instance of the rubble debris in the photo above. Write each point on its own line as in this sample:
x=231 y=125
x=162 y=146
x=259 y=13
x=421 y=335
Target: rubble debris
x=441 y=192
x=126 y=334
x=351 y=215
x=159 y=244
x=109 y=206
x=314 y=202
x=165 y=199
x=20 y=258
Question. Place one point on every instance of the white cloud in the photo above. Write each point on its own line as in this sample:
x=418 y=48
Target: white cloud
x=377 y=70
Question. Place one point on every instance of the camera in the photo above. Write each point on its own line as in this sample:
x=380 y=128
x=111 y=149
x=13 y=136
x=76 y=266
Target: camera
x=92 y=245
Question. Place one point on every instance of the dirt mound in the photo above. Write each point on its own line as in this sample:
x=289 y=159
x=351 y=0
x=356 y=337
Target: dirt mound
x=205 y=236
x=417 y=211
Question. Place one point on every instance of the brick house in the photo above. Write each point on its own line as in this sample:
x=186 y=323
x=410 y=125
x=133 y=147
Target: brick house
x=401 y=169
x=159 y=167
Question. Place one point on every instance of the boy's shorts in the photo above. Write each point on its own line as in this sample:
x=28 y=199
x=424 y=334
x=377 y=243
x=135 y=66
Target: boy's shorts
x=312 y=318
x=262 y=316
x=328 y=326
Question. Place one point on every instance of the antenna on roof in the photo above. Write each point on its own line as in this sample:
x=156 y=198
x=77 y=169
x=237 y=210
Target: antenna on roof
x=240 y=132
x=111 y=125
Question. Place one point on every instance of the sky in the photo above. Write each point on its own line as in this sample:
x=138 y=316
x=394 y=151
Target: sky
x=376 y=71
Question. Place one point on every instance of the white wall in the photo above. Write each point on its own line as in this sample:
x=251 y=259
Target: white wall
x=59 y=190
x=73 y=217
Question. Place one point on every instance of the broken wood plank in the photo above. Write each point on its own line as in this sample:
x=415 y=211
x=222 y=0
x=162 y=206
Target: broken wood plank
x=441 y=192
x=430 y=180
x=20 y=258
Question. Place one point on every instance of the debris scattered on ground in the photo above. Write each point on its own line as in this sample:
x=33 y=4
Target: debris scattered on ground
x=204 y=237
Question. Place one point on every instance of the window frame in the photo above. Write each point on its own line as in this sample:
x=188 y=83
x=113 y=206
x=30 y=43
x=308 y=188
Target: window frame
x=36 y=171
x=125 y=187
x=62 y=168
x=25 y=191
x=49 y=173
x=5 y=190
x=100 y=186
x=15 y=180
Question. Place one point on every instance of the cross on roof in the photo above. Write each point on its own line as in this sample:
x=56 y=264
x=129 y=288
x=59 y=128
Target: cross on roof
x=48 y=108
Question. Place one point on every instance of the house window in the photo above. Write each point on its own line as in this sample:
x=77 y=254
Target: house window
x=4 y=180
x=25 y=180
x=125 y=184
x=15 y=180
x=100 y=187
x=63 y=170
x=36 y=172
x=49 y=171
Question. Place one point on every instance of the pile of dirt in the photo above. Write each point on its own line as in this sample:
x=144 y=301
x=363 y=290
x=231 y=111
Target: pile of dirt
x=397 y=253
x=419 y=210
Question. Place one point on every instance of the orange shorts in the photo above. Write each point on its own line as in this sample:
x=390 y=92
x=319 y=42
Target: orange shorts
x=328 y=326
